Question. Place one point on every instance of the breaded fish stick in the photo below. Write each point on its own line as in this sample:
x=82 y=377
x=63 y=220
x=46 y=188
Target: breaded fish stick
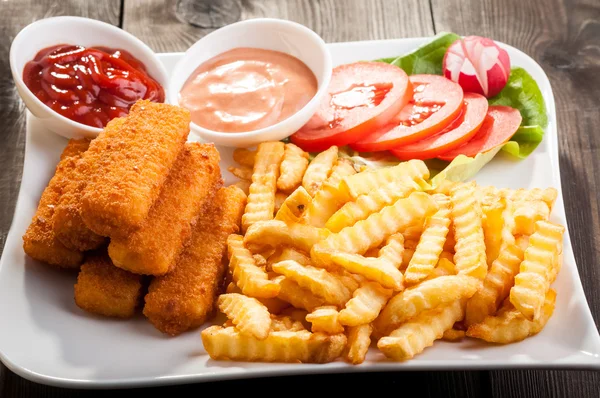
x=191 y=184
x=104 y=289
x=68 y=225
x=39 y=240
x=135 y=158
x=182 y=299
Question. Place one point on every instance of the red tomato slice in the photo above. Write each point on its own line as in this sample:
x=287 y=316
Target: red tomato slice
x=436 y=103
x=500 y=124
x=457 y=133
x=361 y=97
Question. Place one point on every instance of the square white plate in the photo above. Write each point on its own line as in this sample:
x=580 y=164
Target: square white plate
x=46 y=338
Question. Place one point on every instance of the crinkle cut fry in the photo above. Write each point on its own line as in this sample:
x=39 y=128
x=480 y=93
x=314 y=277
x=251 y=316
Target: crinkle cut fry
x=284 y=346
x=470 y=257
x=293 y=166
x=40 y=241
x=372 y=231
x=510 y=326
x=261 y=200
x=538 y=270
x=137 y=153
x=191 y=185
x=185 y=297
x=421 y=332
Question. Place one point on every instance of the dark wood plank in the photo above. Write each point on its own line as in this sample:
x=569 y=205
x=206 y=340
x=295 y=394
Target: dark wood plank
x=564 y=37
x=157 y=23
x=14 y=16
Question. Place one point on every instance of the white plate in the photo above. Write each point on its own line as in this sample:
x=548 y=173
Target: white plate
x=46 y=338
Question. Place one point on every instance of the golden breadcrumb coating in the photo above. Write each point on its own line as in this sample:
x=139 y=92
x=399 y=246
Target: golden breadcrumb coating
x=184 y=298
x=191 y=184
x=39 y=240
x=104 y=289
x=134 y=157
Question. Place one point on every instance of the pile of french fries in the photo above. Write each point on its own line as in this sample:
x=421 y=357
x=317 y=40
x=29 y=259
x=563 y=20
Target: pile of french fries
x=333 y=256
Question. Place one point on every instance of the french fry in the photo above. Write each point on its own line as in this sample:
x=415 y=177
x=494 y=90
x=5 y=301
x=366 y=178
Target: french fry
x=248 y=315
x=244 y=157
x=412 y=234
x=280 y=198
x=274 y=305
x=244 y=185
x=470 y=258
x=492 y=223
x=284 y=346
x=285 y=323
x=326 y=320
x=297 y=315
x=288 y=253
x=431 y=243
x=444 y=187
x=319 y=169
x=419 y=333
x=365 y=182
x=370 y=203
x=444 y=267
x=393 y=250
x=425 y=296
x=372 y=231
x=359 y=340
x=547 y=195
x=293 y=166
x=318 y=281
x=350 y=280
x=243 y=173
x=251 y=279
x=538 y=269
x=374 y=269
x=297 y=296
x=406 y=257
x=293 y=206
x=261 y=200
x=328 y=199
x=275 y=233
x=510 y=326
x=527 y=213
x=365 y=304
x=496 y=285
x=453 y=335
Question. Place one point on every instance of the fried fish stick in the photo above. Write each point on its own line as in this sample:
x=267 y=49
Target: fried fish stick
x=104 y=289
x=40 y=241
x=137 y=154
x=67 y=222
x=192 y=183
x=182 y=299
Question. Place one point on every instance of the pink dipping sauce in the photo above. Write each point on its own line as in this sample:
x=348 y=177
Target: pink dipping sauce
x=247 y=89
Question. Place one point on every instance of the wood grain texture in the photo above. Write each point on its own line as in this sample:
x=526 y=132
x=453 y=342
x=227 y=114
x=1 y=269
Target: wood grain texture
x=564 y=37
x=156 y=22
x=14 y=16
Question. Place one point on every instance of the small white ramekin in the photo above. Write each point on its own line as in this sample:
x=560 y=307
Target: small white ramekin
x=76 y=31
x=264 y=33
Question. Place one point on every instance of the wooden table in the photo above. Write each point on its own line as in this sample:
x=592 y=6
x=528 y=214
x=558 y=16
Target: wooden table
x=562 y=35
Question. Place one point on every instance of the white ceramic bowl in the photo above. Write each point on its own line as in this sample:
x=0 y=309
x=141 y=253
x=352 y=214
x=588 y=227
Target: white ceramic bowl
x=265 y=33
x=77 y=31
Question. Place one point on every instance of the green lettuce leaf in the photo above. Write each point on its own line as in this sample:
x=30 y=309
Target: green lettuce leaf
x=525 y=140
x=427 y=58
x=522 y=92
x=463 y=167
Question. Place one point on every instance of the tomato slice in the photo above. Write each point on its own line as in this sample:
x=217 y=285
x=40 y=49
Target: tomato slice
x=361 y=97
x=461 y=130
x=437 y=102
x=501 y=123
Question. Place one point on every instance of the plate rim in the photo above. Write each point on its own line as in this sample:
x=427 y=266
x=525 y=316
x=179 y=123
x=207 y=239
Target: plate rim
x=593 y=363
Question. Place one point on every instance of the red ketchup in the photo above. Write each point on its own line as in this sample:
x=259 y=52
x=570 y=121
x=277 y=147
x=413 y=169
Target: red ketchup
x=90 y=85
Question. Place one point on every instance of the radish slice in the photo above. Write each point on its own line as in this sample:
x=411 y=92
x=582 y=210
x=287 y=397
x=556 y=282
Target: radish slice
x=478 y=65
